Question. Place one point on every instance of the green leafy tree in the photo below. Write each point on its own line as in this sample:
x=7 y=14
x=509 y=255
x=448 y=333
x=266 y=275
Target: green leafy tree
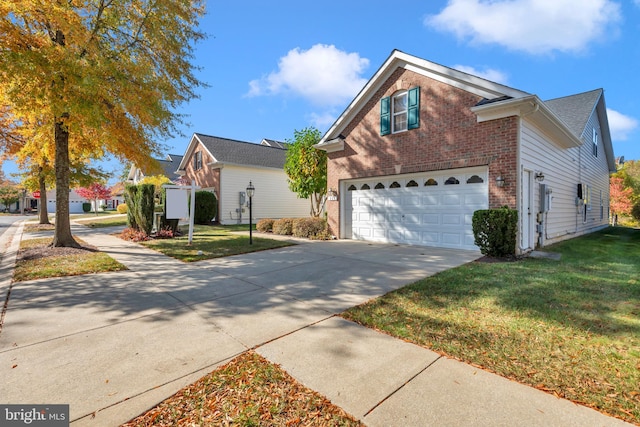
x=306 y=168
x=9 y=193
x=94 y=77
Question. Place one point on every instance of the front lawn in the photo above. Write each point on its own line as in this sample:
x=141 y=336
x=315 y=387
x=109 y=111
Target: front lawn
x=211 y=241
x=248 y=391
x=37 y=260
x=568 y=327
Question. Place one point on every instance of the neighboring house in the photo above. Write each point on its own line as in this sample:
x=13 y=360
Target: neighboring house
x=273 y=143
x=226 y=166
x=117 y=196
x=75 y=202
x=169 y=167
x=423 y=146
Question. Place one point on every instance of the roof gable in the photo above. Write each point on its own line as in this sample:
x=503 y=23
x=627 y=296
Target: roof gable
x=473 y=84
x=234 y=152
x=575 y=110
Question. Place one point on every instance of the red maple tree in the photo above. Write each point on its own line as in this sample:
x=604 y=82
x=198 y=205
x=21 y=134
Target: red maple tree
x=95 y=192
x=620 y=198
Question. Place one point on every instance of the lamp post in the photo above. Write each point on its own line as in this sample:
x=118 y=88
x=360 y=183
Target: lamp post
x=250 y=192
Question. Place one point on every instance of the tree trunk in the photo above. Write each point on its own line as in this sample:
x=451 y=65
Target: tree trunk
x=62 y=236
x=44 y=214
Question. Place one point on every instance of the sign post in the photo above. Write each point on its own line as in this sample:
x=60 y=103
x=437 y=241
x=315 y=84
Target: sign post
x=176 y=204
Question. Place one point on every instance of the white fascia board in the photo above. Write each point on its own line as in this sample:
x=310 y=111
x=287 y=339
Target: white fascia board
x=533 y=109
x=221 y=165
x=190 y=149
x=331 y=146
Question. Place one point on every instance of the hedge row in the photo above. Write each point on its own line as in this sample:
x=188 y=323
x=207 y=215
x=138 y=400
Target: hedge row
x=308 y=228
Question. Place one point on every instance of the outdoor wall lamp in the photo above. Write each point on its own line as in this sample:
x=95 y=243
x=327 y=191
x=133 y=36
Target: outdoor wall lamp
x=251 y=190
x=539 y=176
x=500 y=181
x=332 y=194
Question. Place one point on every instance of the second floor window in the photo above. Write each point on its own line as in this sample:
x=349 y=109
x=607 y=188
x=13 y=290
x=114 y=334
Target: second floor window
x=400 y=112
x=197 y=160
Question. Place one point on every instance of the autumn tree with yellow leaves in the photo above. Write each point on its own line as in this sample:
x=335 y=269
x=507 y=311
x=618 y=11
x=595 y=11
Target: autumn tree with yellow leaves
x=82 y=78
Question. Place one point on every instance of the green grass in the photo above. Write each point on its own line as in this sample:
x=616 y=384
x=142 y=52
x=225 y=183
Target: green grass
x=36 y=262
x=248 y=391
x=569 y=327
x=213 y=241
x=105 y=222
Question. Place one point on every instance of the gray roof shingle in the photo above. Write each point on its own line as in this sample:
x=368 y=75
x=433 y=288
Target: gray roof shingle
x=170 y=166
x=243 y=153
x=575 y=110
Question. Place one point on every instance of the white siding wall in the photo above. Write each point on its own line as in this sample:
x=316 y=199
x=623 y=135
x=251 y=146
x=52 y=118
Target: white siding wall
x=75 y=202
x=563 y=170
x=272 y=199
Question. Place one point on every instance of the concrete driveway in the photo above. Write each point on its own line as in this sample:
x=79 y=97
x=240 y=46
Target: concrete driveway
x=113 y=345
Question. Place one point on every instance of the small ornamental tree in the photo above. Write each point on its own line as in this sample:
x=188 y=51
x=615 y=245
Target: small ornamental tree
x=620 y=198
x=9 y=194
x=95 y=192
x=306 y=167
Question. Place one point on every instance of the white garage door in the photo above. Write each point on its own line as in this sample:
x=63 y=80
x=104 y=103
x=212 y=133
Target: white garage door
x=429 y=209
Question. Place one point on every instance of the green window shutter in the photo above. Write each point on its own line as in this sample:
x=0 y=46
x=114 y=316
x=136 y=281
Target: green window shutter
x=385 y=116
x=413 y=109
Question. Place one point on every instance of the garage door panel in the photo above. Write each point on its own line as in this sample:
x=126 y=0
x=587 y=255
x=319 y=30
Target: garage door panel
x=431 y=200
x=451 y=219
x=453 y=239
x=438 y=216
x=451 y=200
x=475 y=200
x=431 y=219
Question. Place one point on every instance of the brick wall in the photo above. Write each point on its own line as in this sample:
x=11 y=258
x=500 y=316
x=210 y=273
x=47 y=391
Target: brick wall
x=206 y=177
x=448 y=137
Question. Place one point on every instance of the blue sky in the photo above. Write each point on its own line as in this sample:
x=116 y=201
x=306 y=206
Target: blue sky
x=274 y=67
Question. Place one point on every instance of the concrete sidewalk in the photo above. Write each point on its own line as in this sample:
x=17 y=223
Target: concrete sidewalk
x=113 y=345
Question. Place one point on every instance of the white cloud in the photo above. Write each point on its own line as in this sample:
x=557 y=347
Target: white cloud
x=533 y=26
x=620 y=125
x=323 y=75
x=323 y=120
x=490 y=74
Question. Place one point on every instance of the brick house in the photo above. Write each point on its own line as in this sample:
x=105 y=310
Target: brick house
x=226 y=166
x=423 y=146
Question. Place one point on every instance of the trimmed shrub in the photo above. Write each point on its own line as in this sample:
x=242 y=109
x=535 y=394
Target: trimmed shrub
x=283 y=226
x=310 y=228
x=265 y=225
x=139 y=200
x=144 y=207
x=130 y=196
x=122 y=208
x=635 y=212
x=206 y=207
x=86 y=207
x=495 y=231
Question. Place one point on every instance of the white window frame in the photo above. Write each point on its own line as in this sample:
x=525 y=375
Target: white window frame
x=396 y=114
x=594 y=140
x=197 y=160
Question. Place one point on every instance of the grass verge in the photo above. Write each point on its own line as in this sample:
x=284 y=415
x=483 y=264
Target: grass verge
x=102 y=222
x=37 y=260
x=212 y=242
x=248 y=391
x=569 y=327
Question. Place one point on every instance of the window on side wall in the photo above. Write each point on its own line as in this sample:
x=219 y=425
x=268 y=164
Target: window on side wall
x=595 y=142
x=400 y=112
x=197 y=160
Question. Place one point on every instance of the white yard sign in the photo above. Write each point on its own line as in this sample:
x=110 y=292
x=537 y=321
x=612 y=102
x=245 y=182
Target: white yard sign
x=176 y=204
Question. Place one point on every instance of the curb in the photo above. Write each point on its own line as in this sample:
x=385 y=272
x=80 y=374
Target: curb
x=11 y=241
